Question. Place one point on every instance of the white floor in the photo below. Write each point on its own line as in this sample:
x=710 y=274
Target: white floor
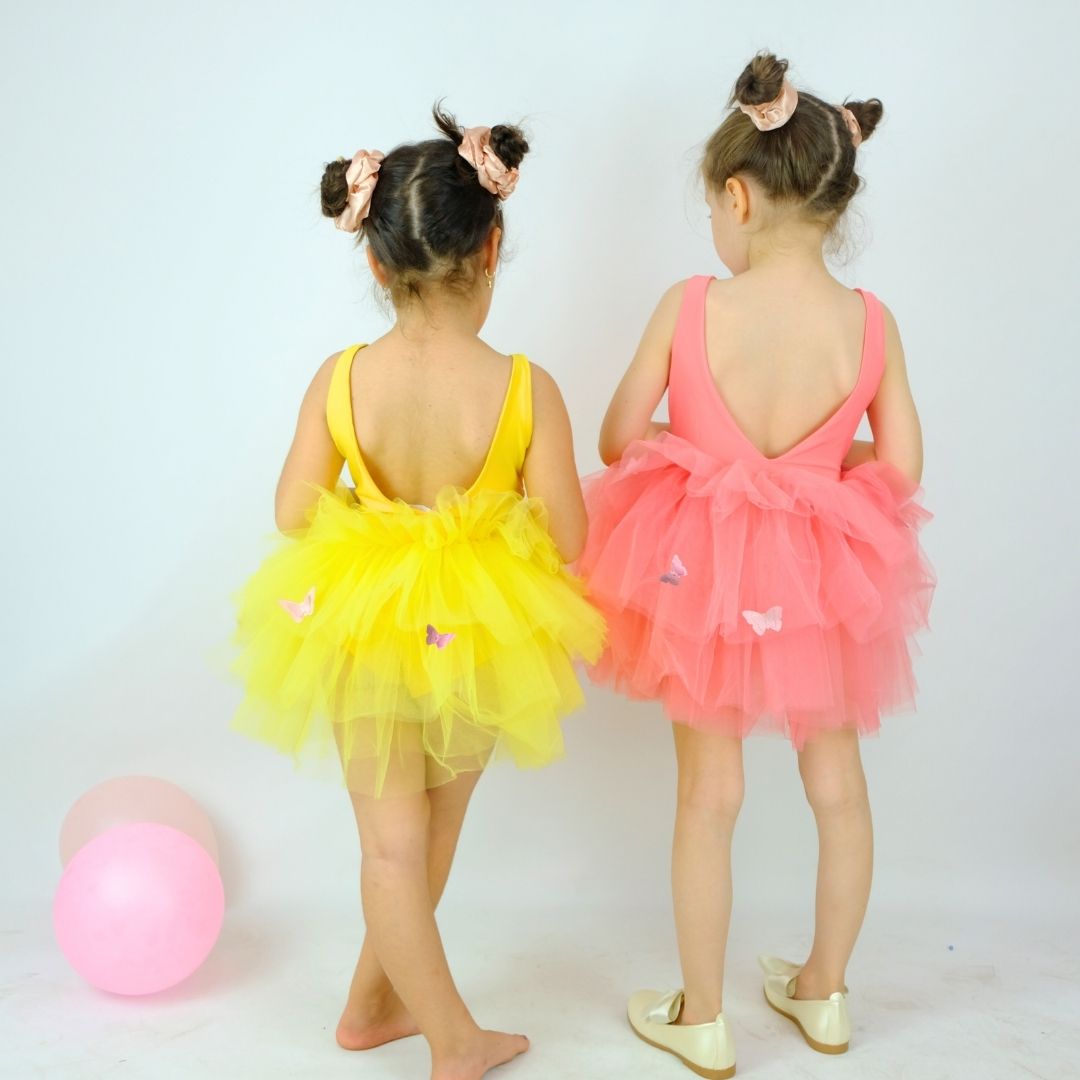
x=999 y=999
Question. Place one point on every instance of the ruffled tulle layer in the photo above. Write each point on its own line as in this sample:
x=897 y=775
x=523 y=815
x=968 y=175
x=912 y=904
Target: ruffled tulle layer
x=688 y=558
x=414 y=643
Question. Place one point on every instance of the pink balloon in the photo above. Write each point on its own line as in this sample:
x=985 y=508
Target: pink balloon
x=138 y=908
x=128 y=799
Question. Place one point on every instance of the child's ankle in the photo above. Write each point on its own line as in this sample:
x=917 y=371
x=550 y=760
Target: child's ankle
x=699 y=1010
x=376 y=999
x=812 y=986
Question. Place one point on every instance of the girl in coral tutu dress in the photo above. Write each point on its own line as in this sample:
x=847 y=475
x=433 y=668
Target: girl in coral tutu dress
x=757 y=567
x=423 y=621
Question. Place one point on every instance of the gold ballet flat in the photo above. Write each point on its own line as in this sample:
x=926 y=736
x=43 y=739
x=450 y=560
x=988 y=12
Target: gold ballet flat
x=824 y=1024
x=705 y=1049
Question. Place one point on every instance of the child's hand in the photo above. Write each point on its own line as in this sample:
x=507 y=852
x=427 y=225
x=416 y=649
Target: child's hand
x=862 y=451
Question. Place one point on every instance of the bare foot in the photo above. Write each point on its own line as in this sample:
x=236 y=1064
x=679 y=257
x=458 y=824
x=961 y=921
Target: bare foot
x=363 y=1029
x=491 y=1048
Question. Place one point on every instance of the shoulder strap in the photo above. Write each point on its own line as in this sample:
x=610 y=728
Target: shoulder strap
x=339 y=414
x=688 y=342
x=339 y=403
x=525 y=413
x=873 y=358
x=514 y=433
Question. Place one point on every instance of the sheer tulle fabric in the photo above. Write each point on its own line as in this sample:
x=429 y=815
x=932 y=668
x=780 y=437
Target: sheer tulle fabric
x=840 y=558
x=362 y=675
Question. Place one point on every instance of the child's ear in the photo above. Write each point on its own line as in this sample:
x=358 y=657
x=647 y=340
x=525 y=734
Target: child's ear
x=378 y=271
x=738 y=195
x=491 y=250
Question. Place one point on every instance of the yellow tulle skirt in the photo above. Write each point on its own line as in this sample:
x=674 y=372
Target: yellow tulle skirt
x=414 y=645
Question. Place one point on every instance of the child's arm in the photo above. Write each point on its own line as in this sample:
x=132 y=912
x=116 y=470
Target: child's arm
x=550 y=472
x=313 y=458
x=892 y=415
x=629 y=415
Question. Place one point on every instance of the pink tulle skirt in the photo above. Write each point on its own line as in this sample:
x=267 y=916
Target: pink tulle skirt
x=757 y=595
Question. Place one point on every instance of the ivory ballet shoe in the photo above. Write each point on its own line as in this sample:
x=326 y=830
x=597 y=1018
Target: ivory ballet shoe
x=773 y=965
x=705 y=1049
x=824 y=1024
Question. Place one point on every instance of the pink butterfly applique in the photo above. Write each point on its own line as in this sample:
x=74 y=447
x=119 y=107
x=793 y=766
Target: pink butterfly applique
x=676 y=573
x=437 y=639
x=300 y=609
x=760 y=621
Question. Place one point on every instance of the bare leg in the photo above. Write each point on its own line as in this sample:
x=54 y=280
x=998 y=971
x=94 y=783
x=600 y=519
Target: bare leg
x=400 y=917
x=832 y=774
x=374 y=1014
x=709 y=798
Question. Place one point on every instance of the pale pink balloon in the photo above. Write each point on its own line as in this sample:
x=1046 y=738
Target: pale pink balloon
x=138 y=908
x=125 y=800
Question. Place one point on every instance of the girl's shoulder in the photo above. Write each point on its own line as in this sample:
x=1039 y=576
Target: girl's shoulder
x=672 y=298
x=666 y=314
x=887 y=315
x=697 y=286
x=890 y=329
x=546 y=395
x=318 y=391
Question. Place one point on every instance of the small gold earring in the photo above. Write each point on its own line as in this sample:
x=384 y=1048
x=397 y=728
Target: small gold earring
x=490 y=278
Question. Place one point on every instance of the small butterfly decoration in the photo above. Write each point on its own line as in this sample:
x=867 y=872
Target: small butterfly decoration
x=299 y=610
x=760 y=621
x=675 y=573
x=438 y=640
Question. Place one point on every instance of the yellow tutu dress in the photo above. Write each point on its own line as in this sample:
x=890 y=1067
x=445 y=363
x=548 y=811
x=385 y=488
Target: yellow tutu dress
x=416 y=642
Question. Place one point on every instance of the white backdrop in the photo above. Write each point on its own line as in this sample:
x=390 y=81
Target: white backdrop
x=169 y=288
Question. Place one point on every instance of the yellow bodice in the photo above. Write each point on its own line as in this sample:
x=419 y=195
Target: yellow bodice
x=502 y=467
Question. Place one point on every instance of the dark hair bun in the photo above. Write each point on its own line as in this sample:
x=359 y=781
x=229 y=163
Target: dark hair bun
x=509 y=144
x=334 y=191
x=761 y=80
x=868 y=113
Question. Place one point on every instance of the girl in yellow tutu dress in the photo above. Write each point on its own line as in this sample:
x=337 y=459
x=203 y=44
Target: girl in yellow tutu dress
x=422 y=622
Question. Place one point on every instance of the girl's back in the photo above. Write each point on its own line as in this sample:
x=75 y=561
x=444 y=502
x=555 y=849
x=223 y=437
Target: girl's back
x=426 y=413
x=784 y=353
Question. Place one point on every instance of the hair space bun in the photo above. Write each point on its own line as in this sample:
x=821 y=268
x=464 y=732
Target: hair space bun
x=508 y=142
x=867 y=113
x=334 y=192
x=761 y=80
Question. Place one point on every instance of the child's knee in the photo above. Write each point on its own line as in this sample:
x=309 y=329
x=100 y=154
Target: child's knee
x=835 y=792
x=720 y=798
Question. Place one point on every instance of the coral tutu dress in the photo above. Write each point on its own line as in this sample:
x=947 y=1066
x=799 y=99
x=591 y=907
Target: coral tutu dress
x=414 y=642
x=747 y=592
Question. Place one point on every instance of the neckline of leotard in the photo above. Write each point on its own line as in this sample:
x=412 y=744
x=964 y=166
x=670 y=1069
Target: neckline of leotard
x=354 y=439
x=820 y=427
